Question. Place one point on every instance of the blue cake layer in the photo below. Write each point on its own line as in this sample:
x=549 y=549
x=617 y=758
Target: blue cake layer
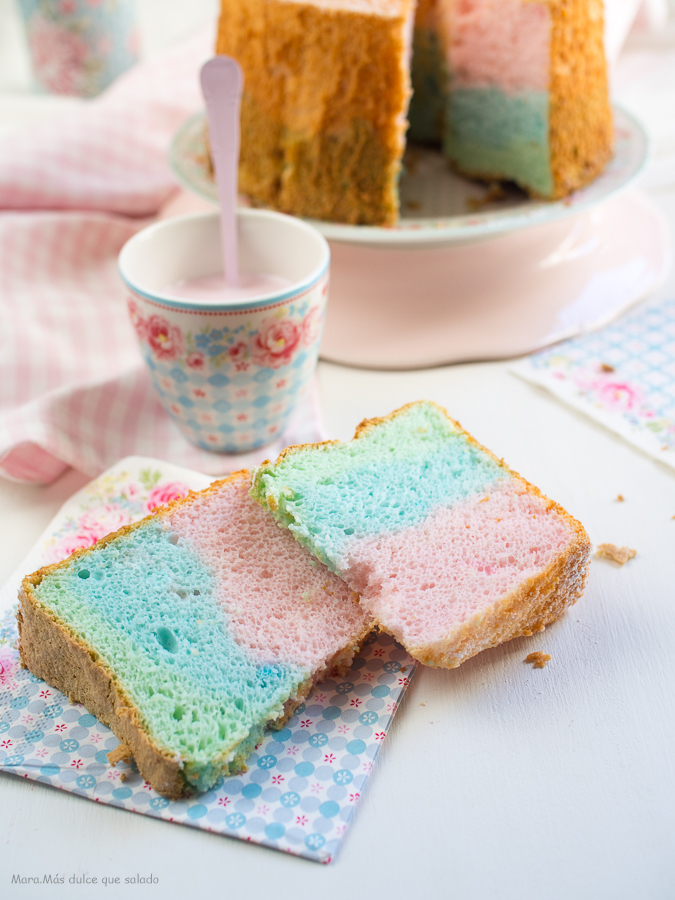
x=493 y=133
x=147 y=605
x=388 y=480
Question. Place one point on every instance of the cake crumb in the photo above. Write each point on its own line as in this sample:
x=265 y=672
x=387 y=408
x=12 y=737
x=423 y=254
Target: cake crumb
x=538 y=659
x=620 y=555
x=121 y=752
x=620 y=498
x=605 y=367
x=494 y=193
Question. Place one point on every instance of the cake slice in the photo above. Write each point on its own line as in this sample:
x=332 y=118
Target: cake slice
x=449 y=549
x=528 y=98
x=189 y=632
x=323 y=114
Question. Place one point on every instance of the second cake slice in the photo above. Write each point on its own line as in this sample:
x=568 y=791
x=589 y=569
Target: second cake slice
x=448 y=548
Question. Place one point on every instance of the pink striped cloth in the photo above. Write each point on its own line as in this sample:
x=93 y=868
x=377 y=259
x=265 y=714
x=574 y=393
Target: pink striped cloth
x=73 y=388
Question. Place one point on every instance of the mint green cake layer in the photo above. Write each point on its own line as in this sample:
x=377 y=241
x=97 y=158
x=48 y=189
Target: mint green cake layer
x=491 y=133
x=388 y=480
x=429 y=79
x=147 y=605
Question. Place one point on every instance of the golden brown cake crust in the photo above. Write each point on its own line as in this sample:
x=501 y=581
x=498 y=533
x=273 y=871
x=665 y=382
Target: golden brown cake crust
x=323 y=111
x=581 y=130
x=536 y=603
x=53 y=652
x=580 y=124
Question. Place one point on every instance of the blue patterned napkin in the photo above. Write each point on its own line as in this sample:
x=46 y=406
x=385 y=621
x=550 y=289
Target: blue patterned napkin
x=623 y=376
x=302 y=783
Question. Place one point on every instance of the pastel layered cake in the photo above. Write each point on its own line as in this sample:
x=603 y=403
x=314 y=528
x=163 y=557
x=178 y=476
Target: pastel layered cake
x=190 y=632
x=326 y=91
x=528 y=97
x=512 y=89
x=450 y=550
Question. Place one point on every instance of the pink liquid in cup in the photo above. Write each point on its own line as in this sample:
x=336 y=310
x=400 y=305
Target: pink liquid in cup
x=215 y=289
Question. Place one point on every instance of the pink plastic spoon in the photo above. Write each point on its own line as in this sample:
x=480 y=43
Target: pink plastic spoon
x=222 y=81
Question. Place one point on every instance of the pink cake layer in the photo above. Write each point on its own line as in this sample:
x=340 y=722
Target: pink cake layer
x=498 y=43
x=458 y=563
x=313 y=612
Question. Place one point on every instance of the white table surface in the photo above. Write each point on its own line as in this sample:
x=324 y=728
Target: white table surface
x=496 y=780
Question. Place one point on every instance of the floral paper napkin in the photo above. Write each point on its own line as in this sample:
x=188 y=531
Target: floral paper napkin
x=623 y=376
x=303 y=782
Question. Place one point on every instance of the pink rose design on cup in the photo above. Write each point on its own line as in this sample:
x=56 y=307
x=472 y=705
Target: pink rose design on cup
x=195 y=360
x=165 y=340
x=165 y=493
x=275 y=343
x=311 y=326
x=137 y=320
x=237 y=354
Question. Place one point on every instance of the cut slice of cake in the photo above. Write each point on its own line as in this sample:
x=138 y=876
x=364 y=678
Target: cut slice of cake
x=528 y=98
x=449 y=549
x=326 y=92
x=189 y=632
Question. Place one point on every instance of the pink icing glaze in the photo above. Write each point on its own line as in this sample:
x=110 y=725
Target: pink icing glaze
x=424 y=582
x=280 y=603
x=505 y=43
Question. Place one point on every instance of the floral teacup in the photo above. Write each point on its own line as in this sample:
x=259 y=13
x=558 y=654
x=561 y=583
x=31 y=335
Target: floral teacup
x=229 y=373
x=80 y=46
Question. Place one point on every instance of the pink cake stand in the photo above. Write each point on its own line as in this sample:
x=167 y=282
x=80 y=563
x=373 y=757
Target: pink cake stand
x=471 y=275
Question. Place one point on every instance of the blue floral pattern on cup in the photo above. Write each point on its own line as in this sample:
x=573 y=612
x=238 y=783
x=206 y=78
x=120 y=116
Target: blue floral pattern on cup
x=231 y=384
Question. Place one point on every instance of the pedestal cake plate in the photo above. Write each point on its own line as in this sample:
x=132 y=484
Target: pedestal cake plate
x=476 y=272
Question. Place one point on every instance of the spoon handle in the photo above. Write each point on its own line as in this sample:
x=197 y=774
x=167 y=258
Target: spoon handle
x=222 y=82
